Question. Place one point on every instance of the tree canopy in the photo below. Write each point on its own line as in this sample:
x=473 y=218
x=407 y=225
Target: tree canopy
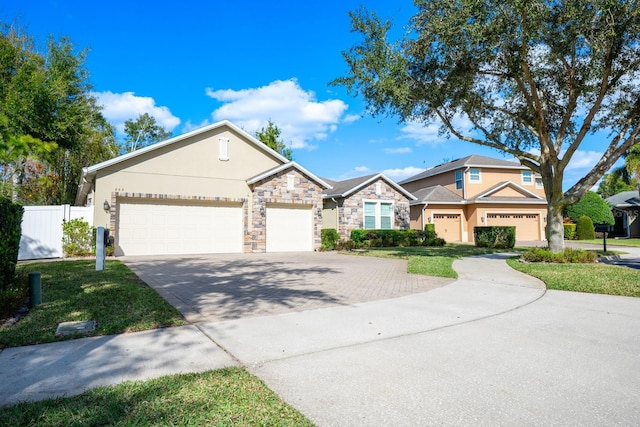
x=142 y=132
x=50 y=124
x=532 y=79
x=593 y=206
x=270 y=136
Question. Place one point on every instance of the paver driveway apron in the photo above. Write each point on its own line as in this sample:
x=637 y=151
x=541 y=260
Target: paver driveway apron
x=220 y=287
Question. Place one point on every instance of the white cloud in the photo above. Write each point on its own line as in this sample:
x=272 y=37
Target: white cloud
x=120 y=107
x=300 y=116
x=399 y=174
x=350 y=118
x=361 y=169
x=189 y=125
x=399 y=150
x=584 y=159
x=429 y=133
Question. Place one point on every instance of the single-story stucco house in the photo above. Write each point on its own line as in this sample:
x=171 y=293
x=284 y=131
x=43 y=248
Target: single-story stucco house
x=367 y=202
x=216 y=189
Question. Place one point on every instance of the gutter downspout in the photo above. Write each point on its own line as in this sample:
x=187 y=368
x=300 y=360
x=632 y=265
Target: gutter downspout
x=333 y=199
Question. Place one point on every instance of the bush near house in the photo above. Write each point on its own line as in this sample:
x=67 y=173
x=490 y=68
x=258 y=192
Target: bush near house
x=13 y=286
x=585 y=229
x=329 y=238
x=77 y=238
x=392 y=238
x=498 y=237
x=593 y=206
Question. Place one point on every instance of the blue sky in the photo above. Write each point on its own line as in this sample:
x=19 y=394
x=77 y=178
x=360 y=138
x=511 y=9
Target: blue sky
x=194 y=63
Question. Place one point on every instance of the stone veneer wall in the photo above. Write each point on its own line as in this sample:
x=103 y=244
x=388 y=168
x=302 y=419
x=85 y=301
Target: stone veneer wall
x=351 y=212
x=273 y=190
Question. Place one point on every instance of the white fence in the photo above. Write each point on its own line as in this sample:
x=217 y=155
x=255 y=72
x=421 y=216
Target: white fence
x=42 y=229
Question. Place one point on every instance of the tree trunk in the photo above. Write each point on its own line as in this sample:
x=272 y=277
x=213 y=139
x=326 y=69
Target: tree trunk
x=555 y=228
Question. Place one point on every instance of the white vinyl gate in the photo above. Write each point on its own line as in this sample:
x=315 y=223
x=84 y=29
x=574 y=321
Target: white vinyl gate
x=42 y=229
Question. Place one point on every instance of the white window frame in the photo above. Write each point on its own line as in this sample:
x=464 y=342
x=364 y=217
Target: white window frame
x=471 y=178
x=378 y=217
x=527 y=178
x=539 y=183
x=224 y=149
x=459 y=178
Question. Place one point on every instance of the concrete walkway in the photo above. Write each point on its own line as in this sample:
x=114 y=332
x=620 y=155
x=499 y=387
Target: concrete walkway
x=491 y=348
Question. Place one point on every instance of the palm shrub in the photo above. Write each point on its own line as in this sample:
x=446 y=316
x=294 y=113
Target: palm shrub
x=585 y=229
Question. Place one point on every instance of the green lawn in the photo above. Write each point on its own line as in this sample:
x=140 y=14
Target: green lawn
x=223 y=397
x=430 y=261
x=592 y=278
x=73 y=291
x=611 y=242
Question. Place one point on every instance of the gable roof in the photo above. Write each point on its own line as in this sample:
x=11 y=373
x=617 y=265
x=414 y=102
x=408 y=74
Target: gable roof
x=470 y=161
x=349 y=186
x=88 y=173
x=625 y=199
x=286 y=166
x=486 y=196
x=436 y=194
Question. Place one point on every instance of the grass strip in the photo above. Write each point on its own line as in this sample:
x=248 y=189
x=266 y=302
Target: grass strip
x=224 y=397
x=591 y=278
x=74 y=291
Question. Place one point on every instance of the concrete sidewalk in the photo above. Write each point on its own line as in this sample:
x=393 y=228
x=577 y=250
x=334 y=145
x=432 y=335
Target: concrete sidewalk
x=486 y=287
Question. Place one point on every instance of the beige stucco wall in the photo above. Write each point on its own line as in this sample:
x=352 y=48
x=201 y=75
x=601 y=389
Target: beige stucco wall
x=351 y=212
x=188 y=168
x=447 y=180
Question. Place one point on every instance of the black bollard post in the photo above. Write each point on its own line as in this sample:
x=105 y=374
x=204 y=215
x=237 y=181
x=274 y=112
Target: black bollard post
x=35 y=289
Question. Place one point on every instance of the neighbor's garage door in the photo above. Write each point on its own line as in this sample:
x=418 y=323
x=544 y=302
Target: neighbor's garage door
x=527 y=226
x=167 y=228
x=289 y=229
x=448 y=227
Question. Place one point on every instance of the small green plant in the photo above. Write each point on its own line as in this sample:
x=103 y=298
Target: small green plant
x=569 y=231
x=358 y=235
x=434 y=242
x=585 y=229
x=430 y=231
x=77 y=237
x=569 y=256
x=498 y=237
x=329 y=237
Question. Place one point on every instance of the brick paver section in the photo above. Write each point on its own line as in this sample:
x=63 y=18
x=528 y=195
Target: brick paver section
x=208 y=288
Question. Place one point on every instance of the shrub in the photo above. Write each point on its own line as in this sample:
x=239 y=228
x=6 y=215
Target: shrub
x=569 y=255
x=10 y=232
x=569 y=231
x=593 y=206
x=77 y=237
x=346 y=245
x=358 y=235
x=585 y=229
x=430 y=231
x=329 y=237
x=15 y=294
x=435 y=241
x=499 y=237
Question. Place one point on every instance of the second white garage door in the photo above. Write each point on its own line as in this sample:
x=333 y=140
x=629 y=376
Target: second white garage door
x=166 y=228
x=289 y=229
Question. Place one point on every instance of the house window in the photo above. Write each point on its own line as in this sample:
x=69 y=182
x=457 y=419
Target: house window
x=378 y=215
x=458 y=180
x=474 y=175
x=539 y=183
x=527 y=177
x=224 y=148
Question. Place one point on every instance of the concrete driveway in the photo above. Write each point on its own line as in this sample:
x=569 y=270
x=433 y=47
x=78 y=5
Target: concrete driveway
x=210 y=288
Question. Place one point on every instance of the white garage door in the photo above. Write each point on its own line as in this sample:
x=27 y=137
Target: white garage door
x=166 y=228
x=527 y=225
x=289 y=229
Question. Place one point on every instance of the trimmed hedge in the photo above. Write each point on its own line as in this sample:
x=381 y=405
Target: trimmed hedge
x=569 y=231
x=10 y=232
x=585 y=229
x=391 y=238
x=499 y=237
x=570 y=255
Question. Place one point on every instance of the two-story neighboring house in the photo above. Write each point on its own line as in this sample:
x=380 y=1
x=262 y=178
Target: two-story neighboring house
x=478 y=191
